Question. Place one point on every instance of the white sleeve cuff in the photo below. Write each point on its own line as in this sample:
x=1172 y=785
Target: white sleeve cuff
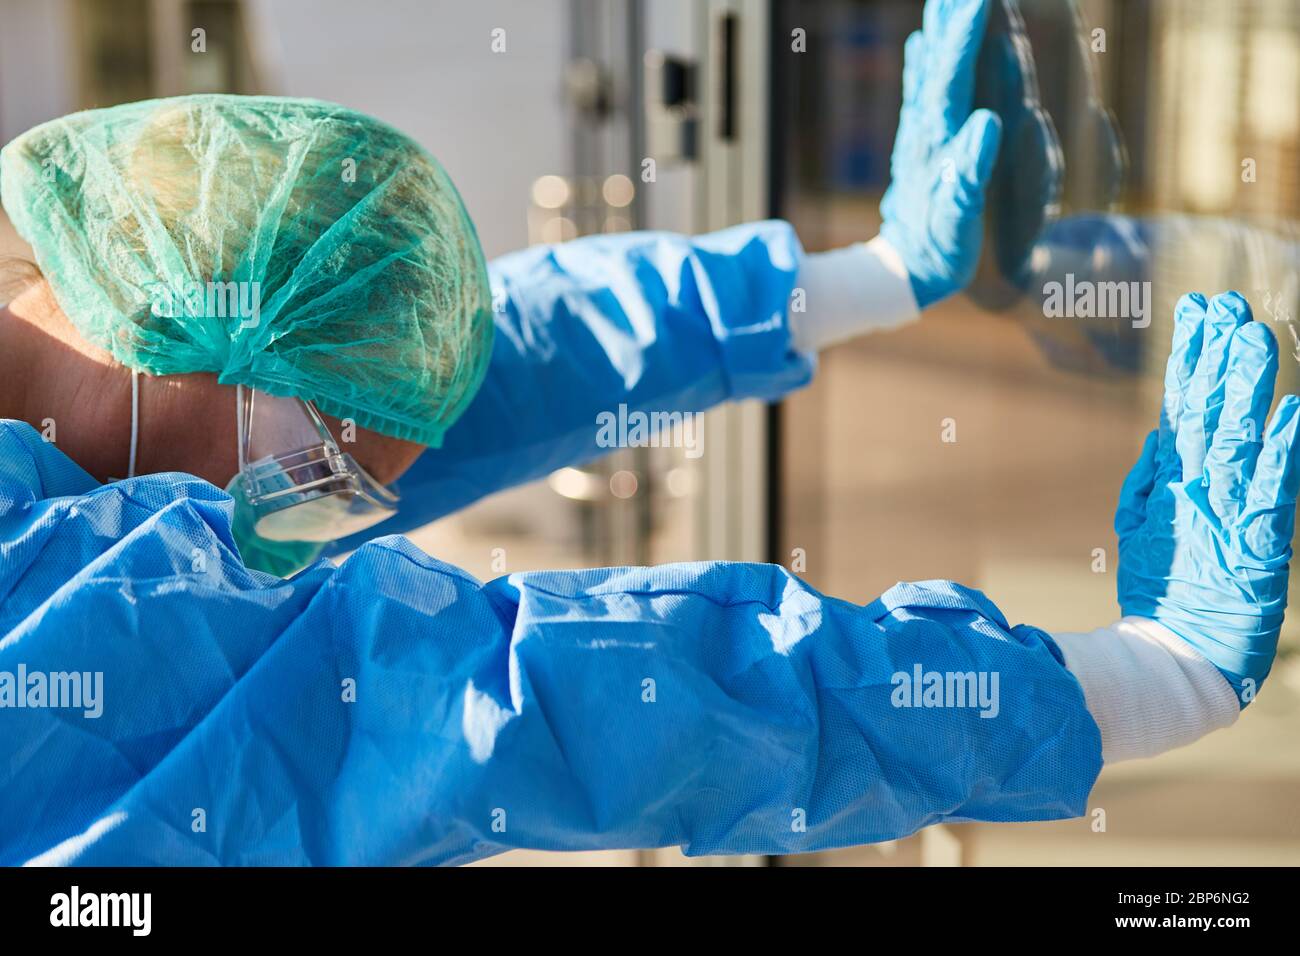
x=846 y=292
x=1148 y=690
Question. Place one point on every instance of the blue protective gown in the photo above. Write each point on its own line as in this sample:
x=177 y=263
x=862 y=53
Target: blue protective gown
x=396 y=710
x=652 y=320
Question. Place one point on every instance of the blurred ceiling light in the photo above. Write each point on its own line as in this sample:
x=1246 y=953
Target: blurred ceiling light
x=559 y=229
x=618 y=191
x=550 y=192
x=680 y=482
x=623 y=484
x=577 y=485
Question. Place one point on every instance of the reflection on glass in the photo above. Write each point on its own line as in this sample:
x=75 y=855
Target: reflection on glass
x=1171 y=164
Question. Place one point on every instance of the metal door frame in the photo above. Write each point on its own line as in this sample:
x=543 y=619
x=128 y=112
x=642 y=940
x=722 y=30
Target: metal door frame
x=732 y=511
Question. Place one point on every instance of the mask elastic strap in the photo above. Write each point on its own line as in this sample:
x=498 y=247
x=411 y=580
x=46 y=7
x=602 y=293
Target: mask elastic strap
x=135 y=421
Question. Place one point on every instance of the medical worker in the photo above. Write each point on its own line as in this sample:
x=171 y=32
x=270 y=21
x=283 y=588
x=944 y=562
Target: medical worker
x=395 y=710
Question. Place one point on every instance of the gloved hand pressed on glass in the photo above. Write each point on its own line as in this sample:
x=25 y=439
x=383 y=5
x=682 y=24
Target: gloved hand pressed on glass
x=1206 y=517
x=943 y=154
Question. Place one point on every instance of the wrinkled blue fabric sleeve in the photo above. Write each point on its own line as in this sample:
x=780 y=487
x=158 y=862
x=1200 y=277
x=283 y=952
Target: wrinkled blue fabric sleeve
x=396 y=710
x=652 y=320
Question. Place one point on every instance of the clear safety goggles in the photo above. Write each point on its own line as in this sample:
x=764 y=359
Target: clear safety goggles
x=298 y=485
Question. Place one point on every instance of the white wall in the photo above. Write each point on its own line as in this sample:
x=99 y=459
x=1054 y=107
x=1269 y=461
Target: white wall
x=496 y=121
x=36 y=79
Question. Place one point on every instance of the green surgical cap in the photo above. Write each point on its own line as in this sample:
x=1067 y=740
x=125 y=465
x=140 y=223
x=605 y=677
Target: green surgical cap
x=293 y=246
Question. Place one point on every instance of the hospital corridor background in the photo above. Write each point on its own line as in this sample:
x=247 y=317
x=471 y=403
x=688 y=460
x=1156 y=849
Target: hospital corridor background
x=849 y=481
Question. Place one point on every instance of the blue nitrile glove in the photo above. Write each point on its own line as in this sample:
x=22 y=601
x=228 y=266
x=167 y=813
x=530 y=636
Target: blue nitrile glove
x=1206 y=516
x=943 y=155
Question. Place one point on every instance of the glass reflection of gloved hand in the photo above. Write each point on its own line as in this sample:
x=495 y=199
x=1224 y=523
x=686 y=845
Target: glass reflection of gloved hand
x=1206 y=516
x=943 y=154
